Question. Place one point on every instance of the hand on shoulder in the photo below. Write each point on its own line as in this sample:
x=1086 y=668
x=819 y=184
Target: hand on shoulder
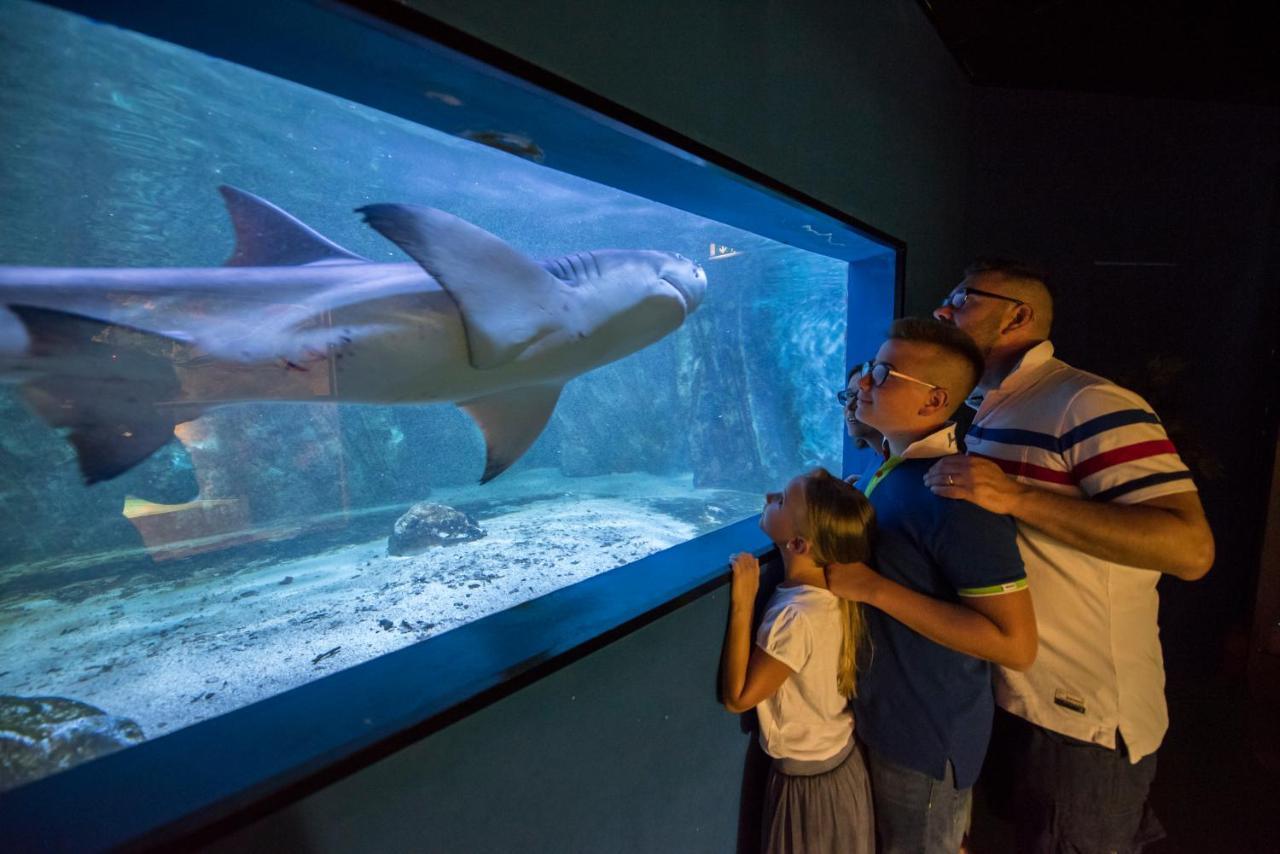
x=977 y=480
x=852 y=581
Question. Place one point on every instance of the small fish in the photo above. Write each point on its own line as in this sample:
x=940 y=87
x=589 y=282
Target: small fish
x=512 y=143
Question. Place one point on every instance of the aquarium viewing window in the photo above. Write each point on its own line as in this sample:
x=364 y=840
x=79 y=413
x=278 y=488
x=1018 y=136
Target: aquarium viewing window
x=327 y=341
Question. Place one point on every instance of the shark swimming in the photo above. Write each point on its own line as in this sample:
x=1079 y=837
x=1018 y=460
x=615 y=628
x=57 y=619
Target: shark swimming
x=119 y=356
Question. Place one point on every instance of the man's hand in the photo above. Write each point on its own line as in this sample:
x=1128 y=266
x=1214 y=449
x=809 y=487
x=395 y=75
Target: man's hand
x=977 y=480
x=1167 y=534
x=853 y=581
x=746 y=579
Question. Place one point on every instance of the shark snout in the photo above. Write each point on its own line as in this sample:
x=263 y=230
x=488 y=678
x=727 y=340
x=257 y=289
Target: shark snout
x=688 y=279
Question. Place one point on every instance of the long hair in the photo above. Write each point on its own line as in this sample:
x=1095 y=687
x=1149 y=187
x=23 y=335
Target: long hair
x=840 y=524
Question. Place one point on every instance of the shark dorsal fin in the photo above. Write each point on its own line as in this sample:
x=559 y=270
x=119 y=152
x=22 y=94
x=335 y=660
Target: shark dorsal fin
x=268 y=237
x=507 y=300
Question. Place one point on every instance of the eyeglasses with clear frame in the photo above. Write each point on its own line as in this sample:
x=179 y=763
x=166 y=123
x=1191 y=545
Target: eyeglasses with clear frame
x=880 y=372
x=957 y=298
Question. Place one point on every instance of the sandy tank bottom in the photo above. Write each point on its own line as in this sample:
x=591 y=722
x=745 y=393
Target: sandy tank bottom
x=168 y=654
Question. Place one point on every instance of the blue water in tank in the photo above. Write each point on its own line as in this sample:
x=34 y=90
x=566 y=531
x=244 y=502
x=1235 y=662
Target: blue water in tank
x=224 y=387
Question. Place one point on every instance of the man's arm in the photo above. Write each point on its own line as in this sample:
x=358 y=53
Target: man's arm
x=1169 y=534
x=999 y=628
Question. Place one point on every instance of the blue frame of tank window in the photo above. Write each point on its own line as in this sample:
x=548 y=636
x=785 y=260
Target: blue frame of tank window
x=251 y=761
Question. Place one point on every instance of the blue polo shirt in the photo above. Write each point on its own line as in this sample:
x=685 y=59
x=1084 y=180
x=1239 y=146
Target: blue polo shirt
x=919 y=703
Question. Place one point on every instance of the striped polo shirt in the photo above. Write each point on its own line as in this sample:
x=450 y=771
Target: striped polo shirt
x=1100 y=666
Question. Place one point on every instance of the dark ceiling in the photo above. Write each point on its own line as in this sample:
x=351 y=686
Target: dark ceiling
x=1220 y=51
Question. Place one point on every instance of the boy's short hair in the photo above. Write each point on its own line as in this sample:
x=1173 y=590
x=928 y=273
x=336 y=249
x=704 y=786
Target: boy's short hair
x=944 y=336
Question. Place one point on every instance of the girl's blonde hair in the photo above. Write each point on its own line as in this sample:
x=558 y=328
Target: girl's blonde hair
x=839 y=526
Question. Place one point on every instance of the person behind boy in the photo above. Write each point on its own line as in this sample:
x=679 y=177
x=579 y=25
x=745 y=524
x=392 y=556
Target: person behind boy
x=860 y=434
x=948 y=595
x=803 y=668
x=1103 y=505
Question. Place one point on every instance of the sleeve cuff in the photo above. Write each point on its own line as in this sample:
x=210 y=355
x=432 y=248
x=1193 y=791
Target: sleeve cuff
x=994 y=589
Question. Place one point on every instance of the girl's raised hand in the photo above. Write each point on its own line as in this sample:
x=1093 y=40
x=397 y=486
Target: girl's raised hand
x=746 y=578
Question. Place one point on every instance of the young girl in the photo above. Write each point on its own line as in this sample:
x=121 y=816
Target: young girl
x=801 y=670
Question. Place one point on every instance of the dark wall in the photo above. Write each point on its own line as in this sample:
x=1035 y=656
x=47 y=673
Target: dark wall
x=626 y=750
x=1158 y=222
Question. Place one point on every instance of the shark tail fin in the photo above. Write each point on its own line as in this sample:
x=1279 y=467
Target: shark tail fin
x=111 y=385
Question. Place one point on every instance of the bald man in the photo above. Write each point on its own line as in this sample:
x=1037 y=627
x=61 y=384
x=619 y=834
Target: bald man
x=1104 y=506
x=947 y=594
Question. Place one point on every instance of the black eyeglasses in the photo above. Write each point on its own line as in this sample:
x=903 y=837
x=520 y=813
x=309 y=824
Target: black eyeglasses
x=880 y=371
x=960 y=296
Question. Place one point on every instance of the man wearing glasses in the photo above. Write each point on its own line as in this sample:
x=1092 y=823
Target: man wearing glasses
x=1104 y=505
x=947 y=595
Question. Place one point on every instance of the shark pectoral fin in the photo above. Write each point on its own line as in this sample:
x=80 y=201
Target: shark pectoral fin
x=106 y=383
x=510 y=421
x=507 y=300
x=266 y=236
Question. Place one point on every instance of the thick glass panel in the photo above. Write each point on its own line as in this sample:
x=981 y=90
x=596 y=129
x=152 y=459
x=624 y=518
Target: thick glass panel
x=233 y=449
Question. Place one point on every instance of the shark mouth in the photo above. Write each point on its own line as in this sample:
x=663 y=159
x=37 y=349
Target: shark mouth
x=685 y=298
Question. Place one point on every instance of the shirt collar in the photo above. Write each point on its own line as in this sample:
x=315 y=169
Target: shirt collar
x=1032 y=359
x=1037 y=356
x=939 y=443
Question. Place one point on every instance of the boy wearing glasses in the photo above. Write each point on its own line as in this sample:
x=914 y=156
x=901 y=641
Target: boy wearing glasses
x=1103 y=505
x=947 y=595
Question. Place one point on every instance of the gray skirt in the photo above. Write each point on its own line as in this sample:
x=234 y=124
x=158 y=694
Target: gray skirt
x=816 y=807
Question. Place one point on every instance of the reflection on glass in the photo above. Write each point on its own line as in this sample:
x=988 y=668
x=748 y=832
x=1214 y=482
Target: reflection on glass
x=250 y=436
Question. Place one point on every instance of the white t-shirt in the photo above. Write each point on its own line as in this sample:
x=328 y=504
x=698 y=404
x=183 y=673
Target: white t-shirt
x=808 y=718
